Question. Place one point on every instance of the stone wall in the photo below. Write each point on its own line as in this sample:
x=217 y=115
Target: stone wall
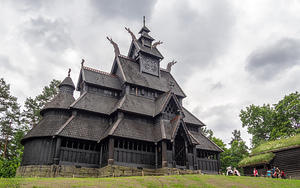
x=107 y=171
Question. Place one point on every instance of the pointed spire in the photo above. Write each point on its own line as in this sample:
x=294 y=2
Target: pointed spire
x=144 y=28
x=69 y=72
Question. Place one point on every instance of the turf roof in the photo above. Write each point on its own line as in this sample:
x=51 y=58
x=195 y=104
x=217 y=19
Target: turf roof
x=277 y=145
x=257 y=159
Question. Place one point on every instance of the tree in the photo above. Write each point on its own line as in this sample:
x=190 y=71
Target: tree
x=270 y=122
x=258 y=121
x=236 y=136
x=33 y=106
x=233 y=155
x=207 y=132
x=9 y=119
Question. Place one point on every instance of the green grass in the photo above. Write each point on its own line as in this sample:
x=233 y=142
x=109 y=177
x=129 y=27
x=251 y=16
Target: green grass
x=177 y=181
x=277 y=144
x=257 y=159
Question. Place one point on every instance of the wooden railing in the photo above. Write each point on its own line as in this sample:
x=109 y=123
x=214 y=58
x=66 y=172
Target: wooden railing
x=211 y=165
x=135 y=157
x=78 y=156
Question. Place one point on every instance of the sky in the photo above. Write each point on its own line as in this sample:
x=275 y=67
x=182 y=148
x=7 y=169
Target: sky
x=230 y=53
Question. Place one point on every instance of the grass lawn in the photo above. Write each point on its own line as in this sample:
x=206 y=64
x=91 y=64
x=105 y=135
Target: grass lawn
x=152 y=181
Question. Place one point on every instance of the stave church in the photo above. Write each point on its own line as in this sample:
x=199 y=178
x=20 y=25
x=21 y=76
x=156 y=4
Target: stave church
x=125 y=122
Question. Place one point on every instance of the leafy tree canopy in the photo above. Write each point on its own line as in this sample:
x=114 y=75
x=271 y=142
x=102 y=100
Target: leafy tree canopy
x=270 y=122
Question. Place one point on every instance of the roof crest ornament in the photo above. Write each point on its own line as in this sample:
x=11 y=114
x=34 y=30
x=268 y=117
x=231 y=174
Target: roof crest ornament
x=170 y=64
x=144 y=21
x=69 y=72
x=115 y=45
x=156 y=44
x=82 y=62
x=131 y=33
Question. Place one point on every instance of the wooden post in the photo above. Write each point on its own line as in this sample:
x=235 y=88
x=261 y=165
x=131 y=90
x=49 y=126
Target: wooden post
x=186 y=155
x=173 y=155
x=155 y=149
x=218 y=158
x=100 y=158
x=164 y=161
x=57 y=151
x=111 y=151
x=195 y=158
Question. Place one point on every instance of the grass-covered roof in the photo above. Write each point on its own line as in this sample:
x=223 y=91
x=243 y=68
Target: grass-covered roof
x=277 y=145
x=257 y=159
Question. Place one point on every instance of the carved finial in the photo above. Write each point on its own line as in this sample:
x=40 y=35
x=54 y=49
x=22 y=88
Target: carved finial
x=156 y=44
x=69 y=72
x=171 y=84
x=131 y=33
x=170 y=64
x=116 y=47
x=82 y=62
x=144 y=21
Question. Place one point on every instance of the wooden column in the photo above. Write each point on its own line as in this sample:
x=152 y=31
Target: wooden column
x=219 y=165
x=164 y=159
x=57 y=150
x=111 y=151
x=155 y=149
x=173 y=155
x=195 y=165
x=186 y=155
x=100 y=158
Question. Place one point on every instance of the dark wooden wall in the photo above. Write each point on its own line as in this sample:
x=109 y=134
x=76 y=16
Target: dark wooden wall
x=289 y=161
x=79 y=153
x=38 y=151
x=286 y=160
x=134 y=153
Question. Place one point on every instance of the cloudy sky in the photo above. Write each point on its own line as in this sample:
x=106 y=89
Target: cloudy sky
x=230 y=54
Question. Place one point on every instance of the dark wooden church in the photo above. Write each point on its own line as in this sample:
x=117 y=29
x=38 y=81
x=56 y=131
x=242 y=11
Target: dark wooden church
x=132 y=116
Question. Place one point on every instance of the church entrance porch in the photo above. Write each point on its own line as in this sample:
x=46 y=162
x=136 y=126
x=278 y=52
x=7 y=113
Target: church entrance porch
x=180 y=151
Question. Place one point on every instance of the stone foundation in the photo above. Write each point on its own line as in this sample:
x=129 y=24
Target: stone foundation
x=107 y=171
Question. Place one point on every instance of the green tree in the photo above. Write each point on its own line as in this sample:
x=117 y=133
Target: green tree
x=236 y=136
x=270 y=122
x=9 y=119
x=259 y=121
x=233 y=155
x=207 y=132
x=33 y=106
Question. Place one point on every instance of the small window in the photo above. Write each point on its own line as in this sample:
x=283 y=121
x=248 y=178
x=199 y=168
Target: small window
x=130 y=145
x=64 y=143
x=126 y=144
x=116 y=143
x=69 y=144
x=121 y=144
x=135 y=146
x=80 y=145
x=75 y=145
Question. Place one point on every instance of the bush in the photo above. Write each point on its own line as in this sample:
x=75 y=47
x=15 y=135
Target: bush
x=8 y=167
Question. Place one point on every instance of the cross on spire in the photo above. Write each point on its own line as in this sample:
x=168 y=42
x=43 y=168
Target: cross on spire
x=69 y=72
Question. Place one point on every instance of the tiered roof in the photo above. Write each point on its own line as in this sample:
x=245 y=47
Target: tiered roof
x=96 y=125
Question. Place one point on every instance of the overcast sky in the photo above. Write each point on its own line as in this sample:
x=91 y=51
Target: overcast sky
x=230 y=54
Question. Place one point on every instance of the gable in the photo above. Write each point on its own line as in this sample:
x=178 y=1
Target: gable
x=133 y=75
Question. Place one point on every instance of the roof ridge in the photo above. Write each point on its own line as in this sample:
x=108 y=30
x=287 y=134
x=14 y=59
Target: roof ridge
x=99 y=71
x=125 y=57
x=64 y=125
